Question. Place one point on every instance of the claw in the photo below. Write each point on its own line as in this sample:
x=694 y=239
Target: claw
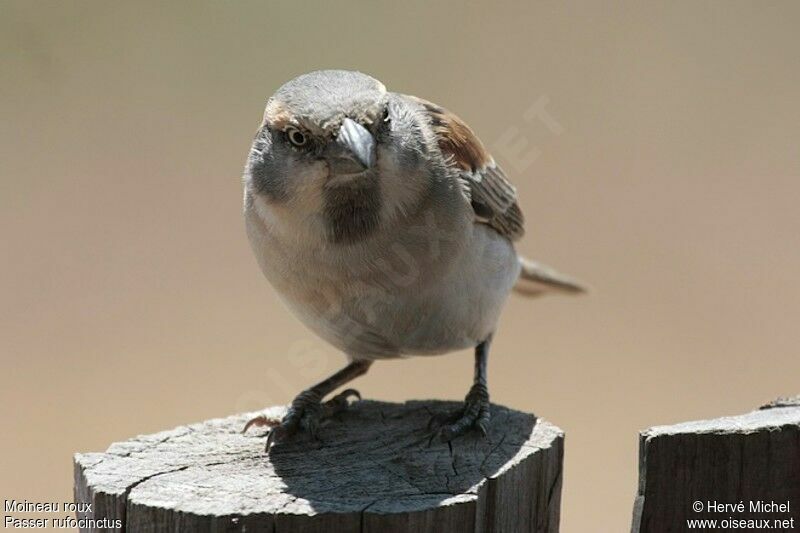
x=305 y=413
x=277 y=434
x=349 y=392
x=340 y=402
x=260 y=421
x=474 y=415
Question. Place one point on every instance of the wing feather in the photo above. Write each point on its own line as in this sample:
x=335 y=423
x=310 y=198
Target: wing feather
x=493 y=197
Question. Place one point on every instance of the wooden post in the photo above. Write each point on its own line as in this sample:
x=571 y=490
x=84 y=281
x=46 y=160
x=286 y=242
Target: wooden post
x=374 y=470
x=698 y=470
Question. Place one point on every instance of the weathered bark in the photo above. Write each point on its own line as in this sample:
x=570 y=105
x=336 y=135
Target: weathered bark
x=375 y=469
x=748 y=458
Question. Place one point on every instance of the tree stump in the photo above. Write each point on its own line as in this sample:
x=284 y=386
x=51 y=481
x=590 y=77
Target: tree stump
x=690 y=471
x=374 y=469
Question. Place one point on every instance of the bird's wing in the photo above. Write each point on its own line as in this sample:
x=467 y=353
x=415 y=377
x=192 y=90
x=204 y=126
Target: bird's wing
x=493 y=197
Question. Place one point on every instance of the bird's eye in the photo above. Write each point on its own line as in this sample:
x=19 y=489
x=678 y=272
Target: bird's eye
x=296 y=137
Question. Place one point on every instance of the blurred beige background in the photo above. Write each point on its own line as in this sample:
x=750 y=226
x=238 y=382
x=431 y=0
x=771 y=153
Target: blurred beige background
x=131 y=302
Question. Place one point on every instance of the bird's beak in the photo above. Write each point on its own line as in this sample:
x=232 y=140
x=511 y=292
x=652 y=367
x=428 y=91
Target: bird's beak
x=353 y=150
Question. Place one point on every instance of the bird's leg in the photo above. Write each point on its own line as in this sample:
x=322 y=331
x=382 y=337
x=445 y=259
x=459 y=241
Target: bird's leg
x=307 y=410
x=475 y=413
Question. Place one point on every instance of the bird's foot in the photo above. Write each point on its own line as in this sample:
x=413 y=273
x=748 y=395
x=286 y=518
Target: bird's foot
x=473 y=415
x=306 y=413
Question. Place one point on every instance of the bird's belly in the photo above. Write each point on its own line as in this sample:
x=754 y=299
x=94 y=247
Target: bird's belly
x=406 y=303
x=461 y=309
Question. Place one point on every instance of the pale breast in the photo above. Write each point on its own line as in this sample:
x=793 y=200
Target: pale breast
x=432 y=286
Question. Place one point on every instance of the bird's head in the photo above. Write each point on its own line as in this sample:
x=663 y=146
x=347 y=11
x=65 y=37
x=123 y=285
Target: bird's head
x=336 y=144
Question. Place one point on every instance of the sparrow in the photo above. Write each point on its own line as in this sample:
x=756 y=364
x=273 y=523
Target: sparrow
x=386 y=227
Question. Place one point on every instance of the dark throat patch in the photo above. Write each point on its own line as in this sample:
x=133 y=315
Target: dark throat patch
x=352 y=212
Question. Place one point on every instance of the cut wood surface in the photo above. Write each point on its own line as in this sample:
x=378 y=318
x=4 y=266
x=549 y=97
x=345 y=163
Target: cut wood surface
x=375 y=469
x=686 y=470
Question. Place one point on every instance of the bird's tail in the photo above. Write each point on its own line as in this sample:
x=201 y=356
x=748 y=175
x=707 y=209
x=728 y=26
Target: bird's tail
x=536 y=279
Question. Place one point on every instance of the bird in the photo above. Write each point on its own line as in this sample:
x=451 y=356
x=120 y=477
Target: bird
x=387 y=228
